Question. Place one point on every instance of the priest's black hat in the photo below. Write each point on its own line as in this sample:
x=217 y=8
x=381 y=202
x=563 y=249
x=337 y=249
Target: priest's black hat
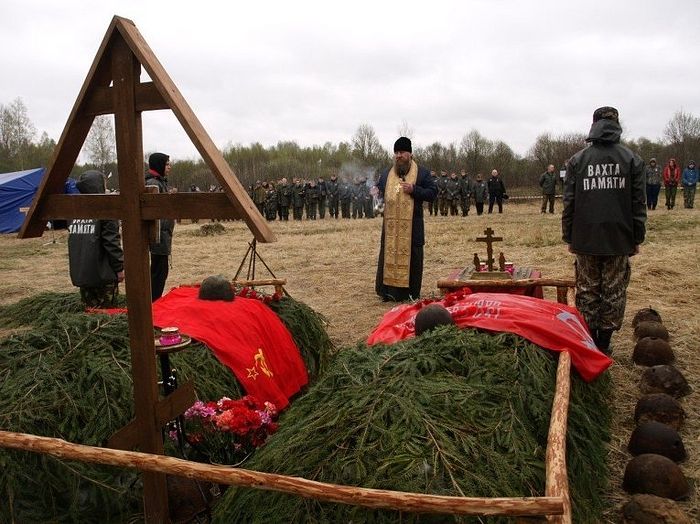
x=403 y=144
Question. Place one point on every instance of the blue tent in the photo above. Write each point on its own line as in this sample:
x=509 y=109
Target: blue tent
x=17 y=191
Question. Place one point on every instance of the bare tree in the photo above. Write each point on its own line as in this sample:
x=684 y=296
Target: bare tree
x=682 y=133
x=100 y=144
x=475 y=149
x=366 y=146
x=16 y=133
x=405 y=130
x=542 y=151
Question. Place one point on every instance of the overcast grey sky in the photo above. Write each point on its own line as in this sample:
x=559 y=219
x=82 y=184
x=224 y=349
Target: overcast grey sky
x=313 y=72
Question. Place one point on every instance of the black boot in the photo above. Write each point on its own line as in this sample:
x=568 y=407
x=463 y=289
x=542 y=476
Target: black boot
x=603 y=340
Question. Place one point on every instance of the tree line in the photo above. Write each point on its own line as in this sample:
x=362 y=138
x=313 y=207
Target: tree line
x=361 y=156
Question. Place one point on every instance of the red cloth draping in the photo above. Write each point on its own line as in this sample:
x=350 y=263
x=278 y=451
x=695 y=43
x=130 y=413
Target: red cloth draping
x=548 y=324
x=245 y=335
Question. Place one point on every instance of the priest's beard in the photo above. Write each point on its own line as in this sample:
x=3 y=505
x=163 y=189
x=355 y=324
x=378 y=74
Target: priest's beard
x=402 y=167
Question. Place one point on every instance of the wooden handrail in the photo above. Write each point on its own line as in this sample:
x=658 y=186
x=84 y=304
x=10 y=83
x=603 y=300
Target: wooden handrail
x=371 y=498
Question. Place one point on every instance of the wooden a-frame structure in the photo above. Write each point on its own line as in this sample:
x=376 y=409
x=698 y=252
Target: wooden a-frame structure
x=113 y=86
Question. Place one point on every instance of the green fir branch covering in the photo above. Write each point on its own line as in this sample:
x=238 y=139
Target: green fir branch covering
x=454 y=412
x=69 y=376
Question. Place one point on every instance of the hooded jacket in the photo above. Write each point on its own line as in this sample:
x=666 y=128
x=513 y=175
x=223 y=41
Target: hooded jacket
x=167 y=225
x=690 y=176
x=604 y=195
x=672 y=175
x=94 y=246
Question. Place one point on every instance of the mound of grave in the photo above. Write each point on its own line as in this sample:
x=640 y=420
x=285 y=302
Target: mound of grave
x=67 y=374
x=453 y=412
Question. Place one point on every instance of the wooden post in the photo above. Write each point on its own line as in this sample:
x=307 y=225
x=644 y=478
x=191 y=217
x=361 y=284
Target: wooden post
x=557 y=484
x=127 y=123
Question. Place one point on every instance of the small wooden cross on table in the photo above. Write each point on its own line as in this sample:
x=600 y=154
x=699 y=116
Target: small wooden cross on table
x=489 y=239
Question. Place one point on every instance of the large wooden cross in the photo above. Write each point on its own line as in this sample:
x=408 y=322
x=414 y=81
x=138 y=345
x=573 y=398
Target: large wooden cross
x=489 y=239
x=113 y=86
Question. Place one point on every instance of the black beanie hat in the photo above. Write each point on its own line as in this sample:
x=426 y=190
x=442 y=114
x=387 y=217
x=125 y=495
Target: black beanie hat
x=607 y=112
x=157 y=162
x=403 y=144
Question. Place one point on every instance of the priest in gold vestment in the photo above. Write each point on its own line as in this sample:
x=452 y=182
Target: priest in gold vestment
x=404 y=188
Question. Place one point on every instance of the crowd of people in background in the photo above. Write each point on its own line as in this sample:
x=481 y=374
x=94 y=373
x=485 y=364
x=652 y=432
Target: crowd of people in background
x=671 y=177
x=313 y=199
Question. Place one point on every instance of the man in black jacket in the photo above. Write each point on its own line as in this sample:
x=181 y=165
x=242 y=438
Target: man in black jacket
x=497 y=191
x=157 y=175
x=95 y=256
x=603 y=222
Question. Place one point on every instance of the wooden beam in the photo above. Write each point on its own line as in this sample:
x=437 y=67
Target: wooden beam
x=82 y=206
x=187 y=205
x=176 y=403
x=557 y=484
x=125 y=70
x=148 y=98
x=167 y=409
x=369 y=498
x=200 y=138
x=71 y=142
x=527 y=282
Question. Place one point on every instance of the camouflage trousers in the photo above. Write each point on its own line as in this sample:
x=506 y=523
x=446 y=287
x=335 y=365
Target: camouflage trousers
x=100 y=297
x=601 y=289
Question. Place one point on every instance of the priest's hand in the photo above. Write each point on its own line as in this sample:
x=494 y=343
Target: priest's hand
x=407 y=187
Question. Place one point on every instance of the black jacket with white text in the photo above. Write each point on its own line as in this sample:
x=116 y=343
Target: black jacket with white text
x=604 y=195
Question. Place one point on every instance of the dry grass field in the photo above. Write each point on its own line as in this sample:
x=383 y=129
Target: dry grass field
x=331 y=265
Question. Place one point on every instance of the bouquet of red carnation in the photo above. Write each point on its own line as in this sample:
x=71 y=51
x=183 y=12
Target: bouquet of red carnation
x=228 y=431
x=247 y=292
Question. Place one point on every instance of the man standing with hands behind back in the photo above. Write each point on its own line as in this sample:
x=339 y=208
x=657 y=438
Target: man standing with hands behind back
x=603 y=222
x=548 y=183
x=157 y=175
x=404 y=188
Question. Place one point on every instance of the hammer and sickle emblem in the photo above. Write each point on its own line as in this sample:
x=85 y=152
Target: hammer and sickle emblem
x=261 y=363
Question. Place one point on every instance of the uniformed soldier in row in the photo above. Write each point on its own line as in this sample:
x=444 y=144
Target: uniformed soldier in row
x=442 y=193
x=333 y=195
x=358 y=205
x=453 y=193
x=345 y=196
x=271 y=201
x=259 y=195
x=284 y=199
x=465 y=192
x=322 y=197
x=433 y=205
x=298 y=199
x=311 y=198
x=367 y=199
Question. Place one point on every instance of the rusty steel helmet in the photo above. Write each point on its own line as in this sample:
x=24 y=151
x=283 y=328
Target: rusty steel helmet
x=655 y=437
x=432 y=316
x=652 y=351
x=650 y=508
x=659 y=407
x=655 y=475
x=664 y=379
x=650 y=328
x=216 y=287
x=646 y=313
